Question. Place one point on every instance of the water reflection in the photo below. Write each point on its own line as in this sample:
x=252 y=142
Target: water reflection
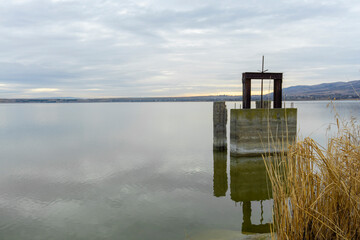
x=248 y=186
x=248 y=182
x=220 y=175
x=128 y=171
x=248 y=179
x=248 y=226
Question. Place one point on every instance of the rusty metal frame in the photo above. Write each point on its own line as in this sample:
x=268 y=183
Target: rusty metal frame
x=246 y=81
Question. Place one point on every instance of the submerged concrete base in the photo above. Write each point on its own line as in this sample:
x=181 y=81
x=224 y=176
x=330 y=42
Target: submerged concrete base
x=254 y=132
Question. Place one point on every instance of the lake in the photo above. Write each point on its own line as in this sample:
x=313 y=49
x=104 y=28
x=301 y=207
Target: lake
x=133 y=171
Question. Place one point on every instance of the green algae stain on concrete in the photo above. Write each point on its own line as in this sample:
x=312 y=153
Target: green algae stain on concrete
x=258 y=131
x=264 y=114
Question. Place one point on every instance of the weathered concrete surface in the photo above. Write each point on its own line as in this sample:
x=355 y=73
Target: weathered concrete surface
x=257 y=131
x=220 y=121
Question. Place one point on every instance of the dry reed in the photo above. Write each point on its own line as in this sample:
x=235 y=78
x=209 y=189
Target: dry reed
x=316 y=190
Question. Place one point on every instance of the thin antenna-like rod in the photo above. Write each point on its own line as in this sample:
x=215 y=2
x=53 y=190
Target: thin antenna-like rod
x=262 y=84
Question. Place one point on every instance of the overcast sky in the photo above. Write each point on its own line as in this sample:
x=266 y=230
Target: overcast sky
x=97 y=48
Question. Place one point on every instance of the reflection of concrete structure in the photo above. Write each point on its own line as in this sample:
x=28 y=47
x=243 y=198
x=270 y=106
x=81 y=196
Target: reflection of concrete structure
x=220 y=121
x=248 y=183
x=247 y=226
x=262 y=130
x=248 y=179
x=220 y=175
x=257 y=131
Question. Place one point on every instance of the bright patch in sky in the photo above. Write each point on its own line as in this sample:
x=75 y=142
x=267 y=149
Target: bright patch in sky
x=43 y=90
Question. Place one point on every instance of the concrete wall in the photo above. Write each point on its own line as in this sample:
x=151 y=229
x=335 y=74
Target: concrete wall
x=220 y=121
x=257 y=131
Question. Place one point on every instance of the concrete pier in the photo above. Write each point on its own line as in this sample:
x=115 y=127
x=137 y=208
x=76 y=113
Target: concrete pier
x=220 y=121
x=254 y=132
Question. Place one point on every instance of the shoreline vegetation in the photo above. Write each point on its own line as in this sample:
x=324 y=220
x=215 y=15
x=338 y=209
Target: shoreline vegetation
x=316 y=190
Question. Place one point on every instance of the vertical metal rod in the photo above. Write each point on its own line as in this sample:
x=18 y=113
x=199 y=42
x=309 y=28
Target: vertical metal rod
x=262 y=84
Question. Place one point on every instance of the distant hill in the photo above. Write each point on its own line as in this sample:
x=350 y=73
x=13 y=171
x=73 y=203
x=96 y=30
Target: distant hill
x=337 y=90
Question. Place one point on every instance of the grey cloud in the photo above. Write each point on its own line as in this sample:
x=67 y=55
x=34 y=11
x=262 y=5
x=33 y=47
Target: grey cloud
x=32 y=75
x=125 y=48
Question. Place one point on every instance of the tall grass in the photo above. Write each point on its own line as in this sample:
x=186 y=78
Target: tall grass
x=316 y=190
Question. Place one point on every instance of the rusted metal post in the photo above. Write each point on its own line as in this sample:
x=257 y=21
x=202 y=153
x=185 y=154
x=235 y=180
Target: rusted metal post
x=262 y=84
x=246 y=92
x=277 y=93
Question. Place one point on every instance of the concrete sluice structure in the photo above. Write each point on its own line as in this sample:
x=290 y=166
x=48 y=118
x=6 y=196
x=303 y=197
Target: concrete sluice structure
x=254 y=132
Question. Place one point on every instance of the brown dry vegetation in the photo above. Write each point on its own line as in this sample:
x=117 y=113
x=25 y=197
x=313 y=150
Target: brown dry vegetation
x=316 y=191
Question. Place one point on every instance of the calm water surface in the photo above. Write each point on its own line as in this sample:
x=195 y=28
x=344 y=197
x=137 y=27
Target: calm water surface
x=132 y=171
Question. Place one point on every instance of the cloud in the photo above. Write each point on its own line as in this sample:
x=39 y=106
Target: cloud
x=128 y=48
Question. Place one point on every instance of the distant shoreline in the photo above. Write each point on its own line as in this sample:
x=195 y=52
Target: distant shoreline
x=158 y=99
x=325 y=91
